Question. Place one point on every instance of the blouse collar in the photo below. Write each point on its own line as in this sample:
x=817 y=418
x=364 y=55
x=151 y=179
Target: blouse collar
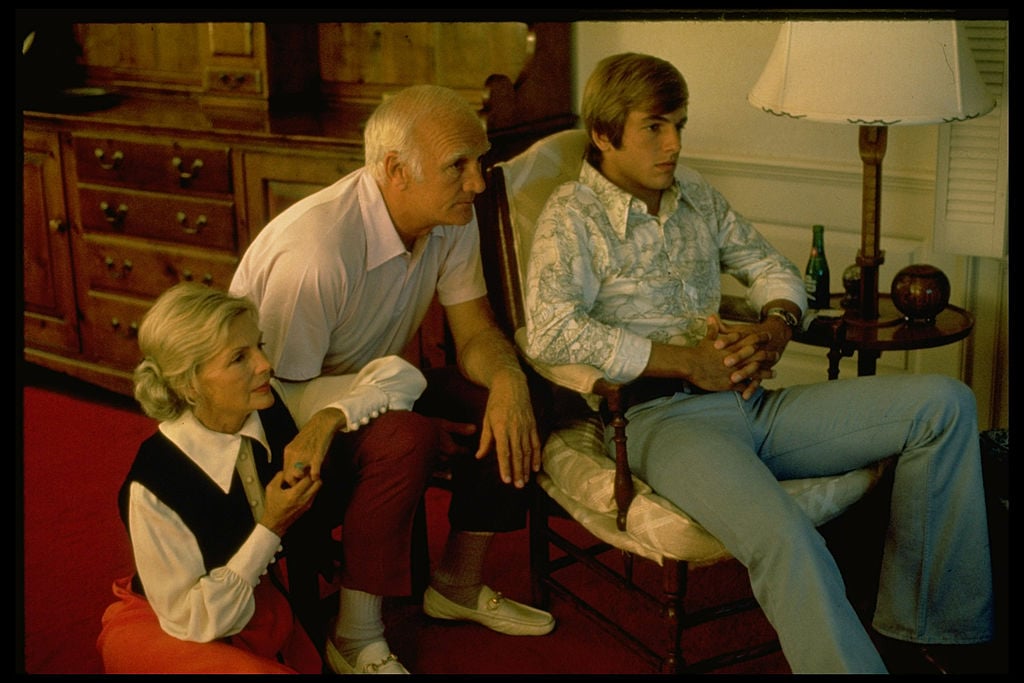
x=214 y=452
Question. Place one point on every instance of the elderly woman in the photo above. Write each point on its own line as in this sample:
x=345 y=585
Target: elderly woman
x=208 y=498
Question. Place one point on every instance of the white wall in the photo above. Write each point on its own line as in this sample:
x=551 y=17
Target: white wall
x=786 y=175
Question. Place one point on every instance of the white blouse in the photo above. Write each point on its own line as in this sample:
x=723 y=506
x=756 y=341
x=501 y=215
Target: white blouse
x=190 y=603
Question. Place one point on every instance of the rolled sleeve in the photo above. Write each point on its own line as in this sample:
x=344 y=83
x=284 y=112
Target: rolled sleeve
x=629 y=359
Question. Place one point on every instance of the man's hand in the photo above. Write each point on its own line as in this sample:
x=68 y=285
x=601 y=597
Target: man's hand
x=510 y=427
x=488 y=358
x=753 y=350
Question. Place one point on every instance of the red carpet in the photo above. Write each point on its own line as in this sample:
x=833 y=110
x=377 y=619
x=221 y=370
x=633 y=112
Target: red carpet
x=78 y=446
x=76 y=455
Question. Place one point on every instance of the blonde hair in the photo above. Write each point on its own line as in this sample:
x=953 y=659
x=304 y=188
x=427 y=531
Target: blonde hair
x=393 y=125
x=187 y=326
x=628 y=82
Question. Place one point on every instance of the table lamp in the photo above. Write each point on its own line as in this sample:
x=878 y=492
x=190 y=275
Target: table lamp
x=873 y=74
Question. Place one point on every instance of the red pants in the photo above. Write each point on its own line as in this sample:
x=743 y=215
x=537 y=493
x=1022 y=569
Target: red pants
x=374 y=479
x=132 y=641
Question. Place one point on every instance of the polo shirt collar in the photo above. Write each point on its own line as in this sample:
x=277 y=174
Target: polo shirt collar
x=382 y=240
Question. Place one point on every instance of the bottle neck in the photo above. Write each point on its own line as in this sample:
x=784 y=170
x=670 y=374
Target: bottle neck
x=818 y=243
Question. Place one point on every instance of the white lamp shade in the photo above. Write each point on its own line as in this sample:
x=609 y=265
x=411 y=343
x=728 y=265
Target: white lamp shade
x=878 y=73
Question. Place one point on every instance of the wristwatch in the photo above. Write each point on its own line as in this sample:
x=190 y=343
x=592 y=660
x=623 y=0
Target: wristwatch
x=786 y=315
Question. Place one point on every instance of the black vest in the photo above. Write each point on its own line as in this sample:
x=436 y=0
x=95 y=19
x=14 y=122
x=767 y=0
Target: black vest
x=220 y=522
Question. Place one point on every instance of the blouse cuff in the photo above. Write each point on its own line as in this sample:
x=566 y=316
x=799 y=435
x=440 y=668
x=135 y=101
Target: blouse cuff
x=361 y=405
x=388 y=383
x=256 y=555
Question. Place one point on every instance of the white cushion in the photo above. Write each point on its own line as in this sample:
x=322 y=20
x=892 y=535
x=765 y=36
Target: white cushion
x=580 y=477
x=531 y=177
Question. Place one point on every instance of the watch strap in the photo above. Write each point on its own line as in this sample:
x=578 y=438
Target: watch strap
x=777 y=311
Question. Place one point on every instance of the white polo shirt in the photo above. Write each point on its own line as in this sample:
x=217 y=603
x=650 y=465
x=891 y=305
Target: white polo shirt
x=336 y=287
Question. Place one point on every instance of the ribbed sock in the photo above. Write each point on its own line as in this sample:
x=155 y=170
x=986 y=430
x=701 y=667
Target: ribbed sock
x=459 y=575
x=359 y=622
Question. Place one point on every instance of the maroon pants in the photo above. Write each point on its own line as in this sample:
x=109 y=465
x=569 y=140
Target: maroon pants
x=375 y=478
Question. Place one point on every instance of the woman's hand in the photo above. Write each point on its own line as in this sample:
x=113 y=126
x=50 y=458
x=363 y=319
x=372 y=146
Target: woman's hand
x=304 y=456
x=285 y=504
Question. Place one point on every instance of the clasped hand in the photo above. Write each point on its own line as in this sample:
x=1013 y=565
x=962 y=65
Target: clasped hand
x=739 y=357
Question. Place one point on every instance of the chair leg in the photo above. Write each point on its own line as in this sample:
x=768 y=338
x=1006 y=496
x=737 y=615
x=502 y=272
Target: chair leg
x=673 y=587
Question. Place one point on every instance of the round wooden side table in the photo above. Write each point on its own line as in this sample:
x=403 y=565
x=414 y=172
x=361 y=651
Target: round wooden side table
x=851 y=334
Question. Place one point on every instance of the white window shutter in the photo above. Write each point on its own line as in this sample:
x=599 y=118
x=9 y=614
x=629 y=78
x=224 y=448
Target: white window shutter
x=972 y=178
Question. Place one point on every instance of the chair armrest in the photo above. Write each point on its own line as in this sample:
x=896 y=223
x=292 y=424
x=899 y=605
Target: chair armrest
x=595 y=388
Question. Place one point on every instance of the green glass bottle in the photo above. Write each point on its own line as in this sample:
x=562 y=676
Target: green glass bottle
x=816 y=277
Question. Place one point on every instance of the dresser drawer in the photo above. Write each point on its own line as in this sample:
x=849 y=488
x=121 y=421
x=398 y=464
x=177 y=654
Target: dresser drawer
x=116 y=265
x=110 y=327
x=198 y=222
x=165 y=166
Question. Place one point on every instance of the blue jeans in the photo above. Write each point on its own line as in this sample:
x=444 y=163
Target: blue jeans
x=720 y=458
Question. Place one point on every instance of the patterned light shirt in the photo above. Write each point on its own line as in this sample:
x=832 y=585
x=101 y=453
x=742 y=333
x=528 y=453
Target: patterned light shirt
x=605 y=278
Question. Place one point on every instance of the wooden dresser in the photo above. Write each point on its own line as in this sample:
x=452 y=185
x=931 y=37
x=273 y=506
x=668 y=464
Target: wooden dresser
x=185 y=139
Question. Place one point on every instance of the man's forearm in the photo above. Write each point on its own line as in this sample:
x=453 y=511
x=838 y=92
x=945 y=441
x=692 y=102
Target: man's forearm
x=487 y=355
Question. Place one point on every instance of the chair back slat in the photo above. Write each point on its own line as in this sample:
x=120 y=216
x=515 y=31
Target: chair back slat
x=532 y=176
x=507 y=213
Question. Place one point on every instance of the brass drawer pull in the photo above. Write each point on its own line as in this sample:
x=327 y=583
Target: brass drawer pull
x=189 y=276
x=191 y=230
x=115 y=161
x=186 y=177
x=133 y=327
x=115 y=272
x=57 y=225
x=114 y=216
x=232 y=81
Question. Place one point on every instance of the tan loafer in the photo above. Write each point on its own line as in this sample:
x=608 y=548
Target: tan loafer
x=375 y=658
x=494 y=611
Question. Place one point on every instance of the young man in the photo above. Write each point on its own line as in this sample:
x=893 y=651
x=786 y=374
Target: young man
x=624 y=275
x=345 y=276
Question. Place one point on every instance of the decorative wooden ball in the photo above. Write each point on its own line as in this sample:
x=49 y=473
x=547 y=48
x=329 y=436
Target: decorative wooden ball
x=920 y=292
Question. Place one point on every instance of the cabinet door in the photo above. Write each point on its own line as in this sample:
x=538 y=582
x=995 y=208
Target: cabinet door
x=275 y=181
x=49 y=294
